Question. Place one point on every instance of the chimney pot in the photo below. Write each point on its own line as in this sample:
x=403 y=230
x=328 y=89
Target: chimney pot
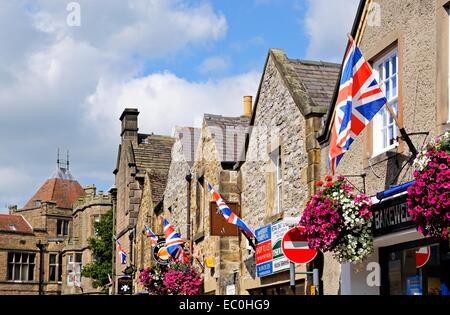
x=247 y=106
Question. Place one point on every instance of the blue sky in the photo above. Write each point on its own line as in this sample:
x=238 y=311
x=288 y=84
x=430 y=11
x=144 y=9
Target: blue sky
x=253 y=28
x=174 y=60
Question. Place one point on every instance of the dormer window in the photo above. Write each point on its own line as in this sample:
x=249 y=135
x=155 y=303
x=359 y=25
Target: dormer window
x=12 y=227
x=37 y=203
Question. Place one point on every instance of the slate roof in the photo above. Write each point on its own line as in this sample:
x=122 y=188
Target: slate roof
x=58 y=189
x=318 y=77
x=229 y=134
x=189 y=137
x=310 y=83
x=152 y=154
x=14 y=223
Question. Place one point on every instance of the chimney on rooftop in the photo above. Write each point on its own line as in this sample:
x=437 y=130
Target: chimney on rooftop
x=129 y=119
x=247 y=106
x=12 y=209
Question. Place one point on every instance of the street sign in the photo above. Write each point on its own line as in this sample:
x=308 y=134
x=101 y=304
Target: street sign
x=125 y=285
x=295 y=246
x=269 y=256
x=422 y=256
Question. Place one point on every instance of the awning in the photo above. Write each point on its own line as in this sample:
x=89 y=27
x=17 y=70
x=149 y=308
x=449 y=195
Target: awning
x=393 y=190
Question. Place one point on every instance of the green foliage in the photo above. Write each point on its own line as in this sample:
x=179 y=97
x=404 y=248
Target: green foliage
x=102 y=247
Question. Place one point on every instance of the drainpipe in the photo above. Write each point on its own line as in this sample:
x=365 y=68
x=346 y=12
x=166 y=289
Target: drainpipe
x=188 y=212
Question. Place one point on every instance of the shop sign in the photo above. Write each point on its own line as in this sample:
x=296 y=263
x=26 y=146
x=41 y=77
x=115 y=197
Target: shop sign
x=269 y=255
x=391 y=216
x=125 y=285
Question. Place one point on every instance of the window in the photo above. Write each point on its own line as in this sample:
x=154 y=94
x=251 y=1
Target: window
x=385 y=130
x=415 y=268
x=21 y=266
x=275 y=157
x=62 y=227
x=52 y=267
x=59 y=267
x=74 y=264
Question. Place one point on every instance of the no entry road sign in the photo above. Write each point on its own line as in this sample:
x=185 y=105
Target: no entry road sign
x=422 y=256
x=295 y=247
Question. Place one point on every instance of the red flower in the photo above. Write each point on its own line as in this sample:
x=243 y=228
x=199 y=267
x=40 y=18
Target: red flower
x=319 y=183
x=330 y=184
x=328 y=178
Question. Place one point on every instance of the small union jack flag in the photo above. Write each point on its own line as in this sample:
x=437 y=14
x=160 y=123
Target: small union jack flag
x=229 y=215
x=174 y=243
x=149 y=233
x=122 y=254
x=360 y=98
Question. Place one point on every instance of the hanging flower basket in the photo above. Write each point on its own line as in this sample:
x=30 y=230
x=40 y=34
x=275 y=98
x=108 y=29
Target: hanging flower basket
x=175 y=279
x=429 y=195
x=339 y=221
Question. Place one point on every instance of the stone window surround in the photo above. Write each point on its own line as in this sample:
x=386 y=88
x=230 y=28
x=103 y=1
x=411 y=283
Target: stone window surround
x=30 y=265
x=384 y=45
x=378 y=118
x=274 y=144
x=57 y=265
x=75 y=265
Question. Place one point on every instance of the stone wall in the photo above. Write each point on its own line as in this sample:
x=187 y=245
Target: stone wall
x=142 y=249
x=175 y=195
x=85 y=210
x=278 y=123
x=129 y=192
x=225 y=250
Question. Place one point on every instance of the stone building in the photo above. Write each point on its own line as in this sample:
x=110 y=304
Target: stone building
x=88 y=209
x=220 y=146
x=407 y=44
x=46 y=219
x=140 y=178
x=282 y=161
x=179 y=179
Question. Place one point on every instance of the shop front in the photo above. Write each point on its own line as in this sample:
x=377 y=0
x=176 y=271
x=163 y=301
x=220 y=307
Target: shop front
x=403 y=261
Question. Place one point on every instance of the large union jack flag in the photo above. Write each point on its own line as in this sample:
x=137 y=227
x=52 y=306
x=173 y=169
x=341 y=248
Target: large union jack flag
x=122 y=254
x=174 y=243
x=360 y=98
x=229 y=215
x=149 y=233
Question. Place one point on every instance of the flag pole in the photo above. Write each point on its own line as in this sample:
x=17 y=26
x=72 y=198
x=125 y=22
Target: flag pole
x=401 y=128
x=250 y=241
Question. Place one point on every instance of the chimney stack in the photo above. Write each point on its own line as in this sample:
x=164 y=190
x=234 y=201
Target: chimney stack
x=129 y=119
x=90 y=190
x=247 y=106
x=12 y=209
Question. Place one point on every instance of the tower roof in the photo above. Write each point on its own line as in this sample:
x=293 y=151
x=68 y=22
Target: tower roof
x=60 y=188
x=64 y=192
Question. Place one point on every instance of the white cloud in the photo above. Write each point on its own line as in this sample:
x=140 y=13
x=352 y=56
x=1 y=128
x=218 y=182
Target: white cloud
x=49 y=70
x=165 y=100
x=213 y=64
x=327 y=23
x=12 y=181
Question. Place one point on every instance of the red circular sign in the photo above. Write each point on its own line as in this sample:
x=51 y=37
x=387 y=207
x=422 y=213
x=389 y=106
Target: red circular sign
x=295 y=247
x=422 y=256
